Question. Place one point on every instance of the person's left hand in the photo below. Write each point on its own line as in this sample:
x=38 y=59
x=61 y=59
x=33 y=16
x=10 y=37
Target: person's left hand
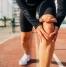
x=48 y=20
x=41 y=33
x=55 y=33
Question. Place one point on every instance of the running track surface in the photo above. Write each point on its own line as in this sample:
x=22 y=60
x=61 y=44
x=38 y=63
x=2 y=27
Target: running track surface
x=11 y=51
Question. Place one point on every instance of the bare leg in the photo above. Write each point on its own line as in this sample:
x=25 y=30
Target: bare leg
x=46 y=49
x=25 y=41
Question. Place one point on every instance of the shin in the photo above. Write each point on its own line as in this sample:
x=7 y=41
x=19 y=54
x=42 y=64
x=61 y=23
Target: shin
x=46 y=49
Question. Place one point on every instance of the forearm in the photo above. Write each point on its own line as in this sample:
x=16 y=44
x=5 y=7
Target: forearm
x=28 y=13
x=59 y=17
x=61 y=10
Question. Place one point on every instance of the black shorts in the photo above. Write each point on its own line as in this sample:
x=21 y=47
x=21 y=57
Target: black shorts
x=42 y=8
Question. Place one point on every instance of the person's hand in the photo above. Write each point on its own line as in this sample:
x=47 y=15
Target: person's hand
x=53 y=20
x=41 y=33
x=55 y=33
x=47 y=18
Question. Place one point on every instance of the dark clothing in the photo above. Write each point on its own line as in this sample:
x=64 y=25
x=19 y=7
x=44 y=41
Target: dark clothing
x=27 y=7
x=61 y=11
x=25 y=25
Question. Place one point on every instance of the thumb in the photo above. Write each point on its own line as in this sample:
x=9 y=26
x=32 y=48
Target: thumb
x=51 y=20
x=41 y=20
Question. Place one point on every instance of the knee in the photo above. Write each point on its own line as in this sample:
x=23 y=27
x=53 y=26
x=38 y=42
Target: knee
x=25 y=37
x=45 y=17
x=49 y=28
x=25 y=40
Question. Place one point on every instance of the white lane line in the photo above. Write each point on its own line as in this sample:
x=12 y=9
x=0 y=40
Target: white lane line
x=37 y=50
x=9 y=38
x=57 y=60
x=54 y=55
x=37 y=55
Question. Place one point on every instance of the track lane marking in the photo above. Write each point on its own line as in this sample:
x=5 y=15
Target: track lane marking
x=37 y=50
x=54 y=55
x=57 y=60
x=9 y=38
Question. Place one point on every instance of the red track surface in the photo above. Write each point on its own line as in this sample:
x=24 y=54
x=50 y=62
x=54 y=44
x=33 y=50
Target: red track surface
x=11 y=51
x=60 y=48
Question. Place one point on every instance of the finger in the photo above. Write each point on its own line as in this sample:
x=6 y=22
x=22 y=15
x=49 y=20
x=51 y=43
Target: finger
x=53 y=20
x=41 y=20
x=55 y=32
x=39 y=36
x=42 y=37
x=54 y=38
x=44 y=33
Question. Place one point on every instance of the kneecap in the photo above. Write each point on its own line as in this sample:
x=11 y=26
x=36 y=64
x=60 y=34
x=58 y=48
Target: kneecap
x=49 y=28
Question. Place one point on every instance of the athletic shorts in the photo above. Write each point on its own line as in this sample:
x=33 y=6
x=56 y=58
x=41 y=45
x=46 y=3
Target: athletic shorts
x=42 y=8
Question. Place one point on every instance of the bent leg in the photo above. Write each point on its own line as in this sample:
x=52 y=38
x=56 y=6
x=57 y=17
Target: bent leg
x=25 y=41
x=46 y=49
x=26 y=31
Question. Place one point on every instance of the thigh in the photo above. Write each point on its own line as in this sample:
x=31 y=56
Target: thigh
x=47 y=7
x=25 y=25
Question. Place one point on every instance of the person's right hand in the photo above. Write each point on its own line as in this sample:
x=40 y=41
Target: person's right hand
x=55 y=33
x=47 y=18
x=41 y=33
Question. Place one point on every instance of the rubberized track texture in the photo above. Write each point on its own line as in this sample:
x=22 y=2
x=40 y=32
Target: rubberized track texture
x=11 y=51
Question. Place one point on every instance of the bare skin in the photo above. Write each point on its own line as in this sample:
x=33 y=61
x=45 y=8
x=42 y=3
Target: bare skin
x=55 y=33
x=47 y=18
x=25 y=41
x=46 y=48
x=50 y=19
